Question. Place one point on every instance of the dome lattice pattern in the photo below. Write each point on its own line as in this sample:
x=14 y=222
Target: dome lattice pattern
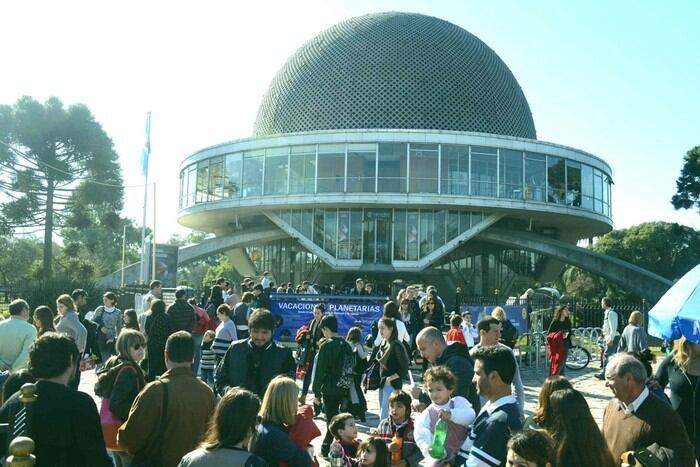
x=395 y=71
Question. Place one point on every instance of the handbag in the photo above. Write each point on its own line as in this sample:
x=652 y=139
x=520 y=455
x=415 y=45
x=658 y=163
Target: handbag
x=110 y=422
x=370 y=379
x=149 y=461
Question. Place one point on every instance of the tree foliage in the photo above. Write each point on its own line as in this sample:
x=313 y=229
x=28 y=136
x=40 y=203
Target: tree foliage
x=222 y=268
x=58 y=167
x=20 y=261
x=192 y=274
x=688 y=183
x=667 y=249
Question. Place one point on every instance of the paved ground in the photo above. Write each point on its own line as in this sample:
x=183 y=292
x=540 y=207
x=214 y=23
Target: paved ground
x=593 y=389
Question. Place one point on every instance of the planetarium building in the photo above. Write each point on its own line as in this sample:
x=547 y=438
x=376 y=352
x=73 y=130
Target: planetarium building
x=396 y=146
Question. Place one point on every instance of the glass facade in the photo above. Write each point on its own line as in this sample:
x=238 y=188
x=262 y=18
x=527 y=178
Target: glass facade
x=377 y=235
x=446 y=169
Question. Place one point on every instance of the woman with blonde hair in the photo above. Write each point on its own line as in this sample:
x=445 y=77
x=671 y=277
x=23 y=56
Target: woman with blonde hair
x=633 y=337
x=681 y=372
x=509 y=334
x=119 y=381
x=278 y=415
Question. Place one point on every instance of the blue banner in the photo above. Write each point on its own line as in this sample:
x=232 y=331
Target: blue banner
x=517 y=314
x=294 y=311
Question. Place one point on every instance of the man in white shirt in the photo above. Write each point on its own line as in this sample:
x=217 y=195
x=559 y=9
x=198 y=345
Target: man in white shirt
x=265 y=281
x=489 y=333
x=471 y=335
x=611 y=334
x=16 y=337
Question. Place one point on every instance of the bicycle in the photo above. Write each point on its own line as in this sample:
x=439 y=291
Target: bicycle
x=578 y=358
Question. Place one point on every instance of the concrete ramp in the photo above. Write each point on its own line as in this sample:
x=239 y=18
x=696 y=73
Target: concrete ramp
x=644 y=283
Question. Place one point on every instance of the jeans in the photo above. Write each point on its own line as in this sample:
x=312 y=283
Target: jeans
x=197 y=352
x=307 y=378
x=384 y=394
x=208 y=377
x=331 y=406
x=610 y=350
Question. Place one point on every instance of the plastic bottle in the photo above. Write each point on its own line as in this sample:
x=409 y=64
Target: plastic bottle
x=335 y=455
x=396 y=453
x=439 y=439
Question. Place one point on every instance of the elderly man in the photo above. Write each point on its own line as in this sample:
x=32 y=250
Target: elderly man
x=489 y=335
x=16 y=338
x=432 y=347
x=636 y=419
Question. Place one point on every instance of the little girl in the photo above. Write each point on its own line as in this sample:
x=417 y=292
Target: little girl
x=373 y=452
x=456 y=411
x=208 y=361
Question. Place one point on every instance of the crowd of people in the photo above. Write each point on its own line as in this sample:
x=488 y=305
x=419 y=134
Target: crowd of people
x=202 y=382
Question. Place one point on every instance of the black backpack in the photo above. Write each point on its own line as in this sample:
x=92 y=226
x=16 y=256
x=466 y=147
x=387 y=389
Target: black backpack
x=346 y=378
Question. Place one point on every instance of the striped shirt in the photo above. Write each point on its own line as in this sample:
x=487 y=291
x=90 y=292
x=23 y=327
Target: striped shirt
x=225 y=334
x=486 y=444
x=208 y=361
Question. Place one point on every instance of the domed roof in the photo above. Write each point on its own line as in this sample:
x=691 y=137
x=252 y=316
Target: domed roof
x=395 y=71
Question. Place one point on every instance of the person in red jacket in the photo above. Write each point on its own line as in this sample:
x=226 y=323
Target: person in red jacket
x=455 y=333
x=202 y=324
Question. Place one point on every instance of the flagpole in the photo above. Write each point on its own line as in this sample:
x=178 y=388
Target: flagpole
x=153 y=260
x=123 y=254
x=144 y=163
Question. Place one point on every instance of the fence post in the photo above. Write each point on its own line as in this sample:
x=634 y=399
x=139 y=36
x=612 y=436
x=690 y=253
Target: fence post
x=21 y=452
x=28 y=397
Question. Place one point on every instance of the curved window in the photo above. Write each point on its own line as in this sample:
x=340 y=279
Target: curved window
x=598 y=190
x=511 y=174
x=276 y=171
x=252 y=173
x=483 y=171
x=391 y=168
x=586 y=186
x=302 y=169
x=232 y=176
x=362 y=168
x=447 y=169
x=331 y=168
x=573 y=183
x=455 y=170
x=535 y=176
x=556 y=180
x=216 y=179
x=424 y=168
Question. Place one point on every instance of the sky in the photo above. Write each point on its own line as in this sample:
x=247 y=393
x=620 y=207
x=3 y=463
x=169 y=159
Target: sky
x=618 y=79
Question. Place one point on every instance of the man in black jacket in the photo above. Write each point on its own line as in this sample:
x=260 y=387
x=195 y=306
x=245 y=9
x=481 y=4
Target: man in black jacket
x=432 y=347
x=329 y=365
x=252 y=363
x=181 y=313
x=65 y=425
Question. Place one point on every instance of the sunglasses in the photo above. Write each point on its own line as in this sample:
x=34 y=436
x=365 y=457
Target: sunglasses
x=138 y=346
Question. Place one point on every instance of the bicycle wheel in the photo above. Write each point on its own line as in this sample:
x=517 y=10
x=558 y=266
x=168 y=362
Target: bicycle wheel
x=578 y=358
